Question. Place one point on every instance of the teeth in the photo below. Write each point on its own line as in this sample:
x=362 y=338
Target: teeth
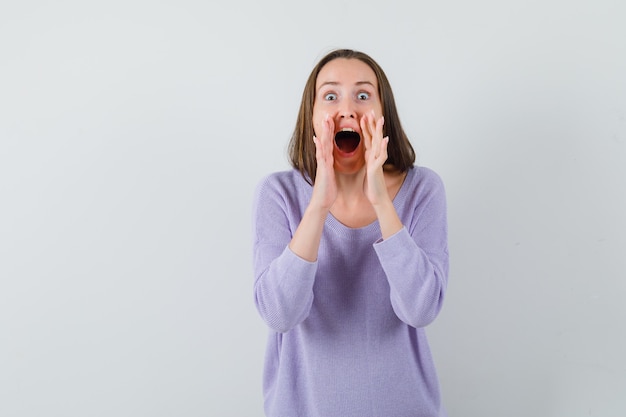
x=347 y=129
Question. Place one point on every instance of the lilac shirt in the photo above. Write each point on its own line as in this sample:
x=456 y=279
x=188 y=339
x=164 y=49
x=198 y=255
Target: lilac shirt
x=346 y=332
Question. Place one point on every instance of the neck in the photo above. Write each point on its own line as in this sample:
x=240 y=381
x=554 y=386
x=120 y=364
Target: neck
x=350 y=183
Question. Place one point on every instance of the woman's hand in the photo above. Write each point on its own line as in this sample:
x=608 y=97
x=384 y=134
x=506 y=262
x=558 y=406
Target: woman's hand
x=306 y=239
x=325 y=187
x=375 y=156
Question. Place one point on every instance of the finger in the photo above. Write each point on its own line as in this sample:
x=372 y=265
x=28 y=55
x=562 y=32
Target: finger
x=376 y=137
x=376 y=130
x=365 y=131
x=377 y=126
x=379 y=136
x=329 y=128
x=380 y=123
x=383 y=148
x=318 y=148
x=323 y=143
x=373 y=121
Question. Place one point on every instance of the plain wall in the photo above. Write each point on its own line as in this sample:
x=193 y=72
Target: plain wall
x=133 y=133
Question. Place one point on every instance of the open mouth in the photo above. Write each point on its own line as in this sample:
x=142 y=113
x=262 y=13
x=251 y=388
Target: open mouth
x=347 y=140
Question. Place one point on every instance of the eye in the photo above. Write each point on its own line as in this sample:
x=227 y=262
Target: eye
x=363 y=96
x=330 y=96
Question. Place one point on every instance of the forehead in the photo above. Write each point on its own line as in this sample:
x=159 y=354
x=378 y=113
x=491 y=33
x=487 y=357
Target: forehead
x=346 y=71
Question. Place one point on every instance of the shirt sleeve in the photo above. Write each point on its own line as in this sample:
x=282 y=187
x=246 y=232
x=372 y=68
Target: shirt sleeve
x=416 y=262
x=283 y=287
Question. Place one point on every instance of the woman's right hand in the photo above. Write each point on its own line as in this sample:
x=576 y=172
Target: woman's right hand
x=306 y=239
x=325 y=187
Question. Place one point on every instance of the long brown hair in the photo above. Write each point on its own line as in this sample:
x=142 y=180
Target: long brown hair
x=401 y=155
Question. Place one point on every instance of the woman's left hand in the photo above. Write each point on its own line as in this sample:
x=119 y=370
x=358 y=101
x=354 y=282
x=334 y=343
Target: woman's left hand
x=375 y=156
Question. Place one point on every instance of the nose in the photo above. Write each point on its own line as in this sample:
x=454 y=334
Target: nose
x=347 y=110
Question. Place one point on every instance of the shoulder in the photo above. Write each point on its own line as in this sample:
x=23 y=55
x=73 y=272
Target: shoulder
x=423 y=200
x=424 y=178
x=423 y=188
x=281 y=180
x=285 y=185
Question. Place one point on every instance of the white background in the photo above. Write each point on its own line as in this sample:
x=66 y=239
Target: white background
x=133 y=133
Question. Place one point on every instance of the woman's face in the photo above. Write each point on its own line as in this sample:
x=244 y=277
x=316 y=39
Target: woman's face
x=345 y=90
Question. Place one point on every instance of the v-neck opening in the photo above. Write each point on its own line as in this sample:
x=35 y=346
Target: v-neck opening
x=336 y=224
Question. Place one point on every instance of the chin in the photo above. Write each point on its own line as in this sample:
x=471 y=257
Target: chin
x=349 y=165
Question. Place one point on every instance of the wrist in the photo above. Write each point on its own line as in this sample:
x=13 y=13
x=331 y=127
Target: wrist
x=316 y=211
x=383 y=205
x=388 y=219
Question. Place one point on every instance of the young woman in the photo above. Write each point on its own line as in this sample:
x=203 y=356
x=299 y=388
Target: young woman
x=350 y=256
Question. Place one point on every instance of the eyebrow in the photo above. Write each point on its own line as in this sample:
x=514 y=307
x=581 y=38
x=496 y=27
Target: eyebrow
x=332 y=83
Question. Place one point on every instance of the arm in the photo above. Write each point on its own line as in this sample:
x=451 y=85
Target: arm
x=375 y=186
x=413 y=255
x=285 y=263
x=415 y=260
x=283 y=287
